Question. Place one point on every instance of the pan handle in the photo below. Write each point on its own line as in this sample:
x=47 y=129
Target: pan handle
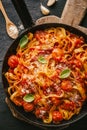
x=23 y=13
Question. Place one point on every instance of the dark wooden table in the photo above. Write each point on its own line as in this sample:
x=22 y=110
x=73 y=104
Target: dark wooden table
x=7 y=121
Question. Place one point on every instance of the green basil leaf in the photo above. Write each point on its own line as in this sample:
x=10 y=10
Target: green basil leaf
x=23 y=41
x=28 y=97
x=41 y=59
x=65 y=73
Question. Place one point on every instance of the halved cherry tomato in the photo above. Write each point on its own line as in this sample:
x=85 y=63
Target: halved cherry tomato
x=57 y=116
x=13 y=61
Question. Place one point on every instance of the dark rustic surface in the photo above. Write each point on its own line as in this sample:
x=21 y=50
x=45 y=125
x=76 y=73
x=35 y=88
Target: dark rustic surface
x=7 y=121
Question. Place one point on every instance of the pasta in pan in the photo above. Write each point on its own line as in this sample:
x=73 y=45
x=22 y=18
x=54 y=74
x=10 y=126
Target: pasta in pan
x=48 y=74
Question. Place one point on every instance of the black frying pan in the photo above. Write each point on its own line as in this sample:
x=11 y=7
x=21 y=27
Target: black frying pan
x=29 y=117
x=27 y=22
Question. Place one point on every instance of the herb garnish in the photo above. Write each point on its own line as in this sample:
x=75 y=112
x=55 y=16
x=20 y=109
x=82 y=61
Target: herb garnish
x=28 y=97
x=65 y=73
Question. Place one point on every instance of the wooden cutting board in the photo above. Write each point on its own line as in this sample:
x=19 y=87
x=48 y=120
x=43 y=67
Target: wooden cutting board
x=73 y=13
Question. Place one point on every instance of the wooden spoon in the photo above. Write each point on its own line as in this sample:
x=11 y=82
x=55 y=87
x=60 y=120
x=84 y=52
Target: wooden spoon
x=11 y=28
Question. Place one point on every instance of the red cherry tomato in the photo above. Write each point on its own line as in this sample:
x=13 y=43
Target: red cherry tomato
x=28 y=106
x=57 y=54
x=18 y=101
x=66 y=85
x=76 y=63
x=70 y=106
x=40 y=35
x=37 y=99
x=57 y=116
x=40 y=112
x=55 y=101
x=13 y=61
x=78 y=42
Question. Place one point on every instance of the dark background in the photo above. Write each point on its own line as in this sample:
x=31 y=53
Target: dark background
x=7 y=121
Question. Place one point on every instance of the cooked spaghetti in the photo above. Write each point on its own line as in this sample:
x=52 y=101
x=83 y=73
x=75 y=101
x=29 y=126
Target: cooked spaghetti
x=48 y=74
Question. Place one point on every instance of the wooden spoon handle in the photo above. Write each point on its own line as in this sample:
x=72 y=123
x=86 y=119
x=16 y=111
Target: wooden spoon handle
x=4 y=12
